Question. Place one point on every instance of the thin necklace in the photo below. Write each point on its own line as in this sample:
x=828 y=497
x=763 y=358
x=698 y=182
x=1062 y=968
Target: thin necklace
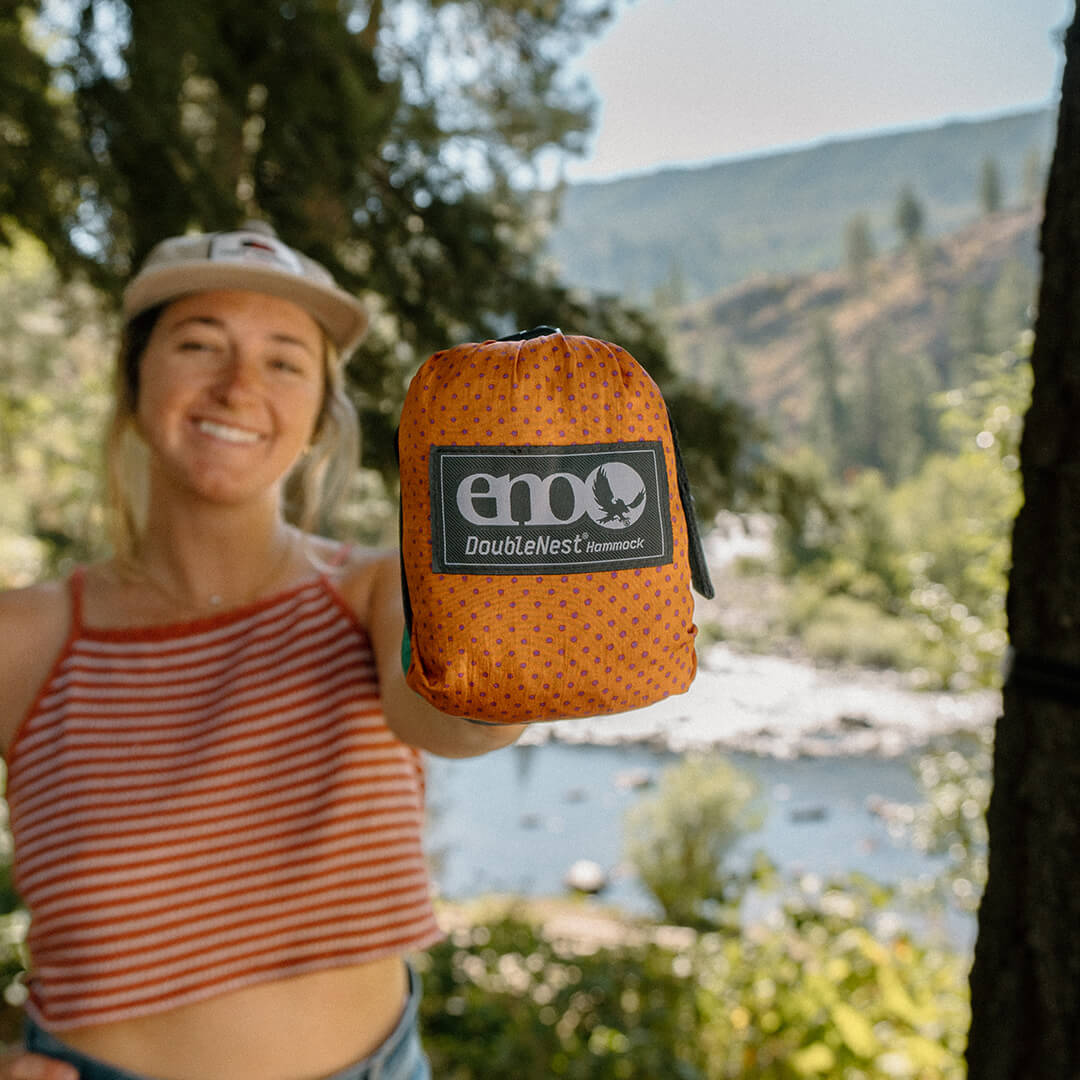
x=215 y=601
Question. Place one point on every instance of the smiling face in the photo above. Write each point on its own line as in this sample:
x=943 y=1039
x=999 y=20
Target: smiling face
x=230 y=387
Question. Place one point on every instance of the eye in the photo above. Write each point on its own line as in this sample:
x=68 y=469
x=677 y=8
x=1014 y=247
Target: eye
x=197 y=345
x=293 y=367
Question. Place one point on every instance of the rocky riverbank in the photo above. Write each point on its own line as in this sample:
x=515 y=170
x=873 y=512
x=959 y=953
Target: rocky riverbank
x=774 y=701
x=782 y=707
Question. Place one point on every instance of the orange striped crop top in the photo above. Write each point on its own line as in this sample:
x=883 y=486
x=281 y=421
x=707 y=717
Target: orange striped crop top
x=209 y=805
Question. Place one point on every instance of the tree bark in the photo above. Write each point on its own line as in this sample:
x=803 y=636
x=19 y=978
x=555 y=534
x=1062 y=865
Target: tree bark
x=1025 y=982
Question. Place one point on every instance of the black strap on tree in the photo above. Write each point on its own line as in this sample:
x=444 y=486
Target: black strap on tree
x=1039 y=676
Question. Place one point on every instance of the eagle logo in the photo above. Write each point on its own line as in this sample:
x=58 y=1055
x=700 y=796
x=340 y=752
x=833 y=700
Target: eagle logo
x=618 y=495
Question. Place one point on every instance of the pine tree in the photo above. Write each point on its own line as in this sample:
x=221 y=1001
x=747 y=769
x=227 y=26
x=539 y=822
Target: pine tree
x=859 y=247
x=1010 y=304
x=969 y=333
x=892 y=403
x=908 y=421
x=869 y=407
x=910 y=216
x=829 y=417
x=990 y=191
x=671 y=293
x=1034 y=181
x=733 y=380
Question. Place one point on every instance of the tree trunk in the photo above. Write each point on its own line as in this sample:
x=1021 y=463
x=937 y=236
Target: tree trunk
x=1025 y=983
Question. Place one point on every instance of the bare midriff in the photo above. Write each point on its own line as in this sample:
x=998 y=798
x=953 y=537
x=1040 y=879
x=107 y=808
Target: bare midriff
x=299 y=1028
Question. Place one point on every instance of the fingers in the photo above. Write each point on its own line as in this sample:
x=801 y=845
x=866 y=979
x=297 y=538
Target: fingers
x=36 y=1067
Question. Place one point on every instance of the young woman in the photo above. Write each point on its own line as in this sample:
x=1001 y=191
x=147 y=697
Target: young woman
x=213 y=767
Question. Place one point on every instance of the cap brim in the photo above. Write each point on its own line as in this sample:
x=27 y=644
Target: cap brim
x=342 y=316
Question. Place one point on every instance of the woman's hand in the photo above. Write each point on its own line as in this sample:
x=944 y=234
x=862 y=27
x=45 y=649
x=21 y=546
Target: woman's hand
x=24 y=1066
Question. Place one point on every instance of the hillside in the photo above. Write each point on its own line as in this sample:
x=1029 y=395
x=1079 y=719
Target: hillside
x=701 y=229
x=968 y=291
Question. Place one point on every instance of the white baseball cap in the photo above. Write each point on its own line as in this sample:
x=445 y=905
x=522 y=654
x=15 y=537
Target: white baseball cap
x=249 y=258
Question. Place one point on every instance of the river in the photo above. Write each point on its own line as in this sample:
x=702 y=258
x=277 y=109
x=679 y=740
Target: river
x=825 y=747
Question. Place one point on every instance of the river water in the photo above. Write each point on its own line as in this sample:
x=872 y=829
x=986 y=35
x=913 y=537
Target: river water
x=515 y=821
x=824 y=746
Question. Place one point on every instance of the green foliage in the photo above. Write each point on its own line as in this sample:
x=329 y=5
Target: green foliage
x=818 y=995
x=715 y=435
x=678 y=838
x=912 y=576
x=382 y=140
x=987 y=414
x=39 y=153
x=337 y=122
x=840 y=535
x=812 y=993
x=500 y=1000
x=955 y=783
x=395 y=142
x=851 y=370
x=954 y=521
x=54 y=368
x=797 y=494
x=844 y=629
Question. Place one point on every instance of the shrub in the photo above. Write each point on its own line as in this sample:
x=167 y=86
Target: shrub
x=845 y=629
x=812 y=994
x=678 y=838
x=501 y=1000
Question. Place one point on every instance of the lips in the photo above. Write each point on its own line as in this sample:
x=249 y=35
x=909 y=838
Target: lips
x=227 y=433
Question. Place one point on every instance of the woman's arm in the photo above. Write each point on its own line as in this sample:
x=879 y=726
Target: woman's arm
x=410 y=716
x=34 y=623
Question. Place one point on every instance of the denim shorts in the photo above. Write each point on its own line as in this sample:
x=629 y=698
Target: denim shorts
x=401 y=1057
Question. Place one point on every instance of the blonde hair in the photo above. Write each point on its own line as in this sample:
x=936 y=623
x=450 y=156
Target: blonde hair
x=313 y=490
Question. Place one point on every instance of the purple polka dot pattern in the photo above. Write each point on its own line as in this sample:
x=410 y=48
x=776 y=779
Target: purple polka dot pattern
x=516 y=649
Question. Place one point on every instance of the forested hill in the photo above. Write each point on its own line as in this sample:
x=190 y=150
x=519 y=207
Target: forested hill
x=696 y=230
x=909 y=323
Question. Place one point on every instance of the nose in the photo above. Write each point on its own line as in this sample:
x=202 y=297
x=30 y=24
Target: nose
x=237 y=377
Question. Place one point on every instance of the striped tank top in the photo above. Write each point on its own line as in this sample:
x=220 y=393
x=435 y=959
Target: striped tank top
x=205 y=806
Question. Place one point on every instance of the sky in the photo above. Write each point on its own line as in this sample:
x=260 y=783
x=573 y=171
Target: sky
x=692 y=81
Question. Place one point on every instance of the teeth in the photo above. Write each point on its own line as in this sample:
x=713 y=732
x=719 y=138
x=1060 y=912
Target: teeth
x=229 y=434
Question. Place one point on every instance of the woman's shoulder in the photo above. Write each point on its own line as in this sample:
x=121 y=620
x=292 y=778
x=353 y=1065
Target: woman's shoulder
x=355 y=570
x=34 y=624
x=34 y=611
x=344 y=558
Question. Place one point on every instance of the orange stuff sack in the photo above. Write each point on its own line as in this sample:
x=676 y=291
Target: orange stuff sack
x=548 y=541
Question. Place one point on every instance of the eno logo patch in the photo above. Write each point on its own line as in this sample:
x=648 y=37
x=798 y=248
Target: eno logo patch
x=549 y=509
